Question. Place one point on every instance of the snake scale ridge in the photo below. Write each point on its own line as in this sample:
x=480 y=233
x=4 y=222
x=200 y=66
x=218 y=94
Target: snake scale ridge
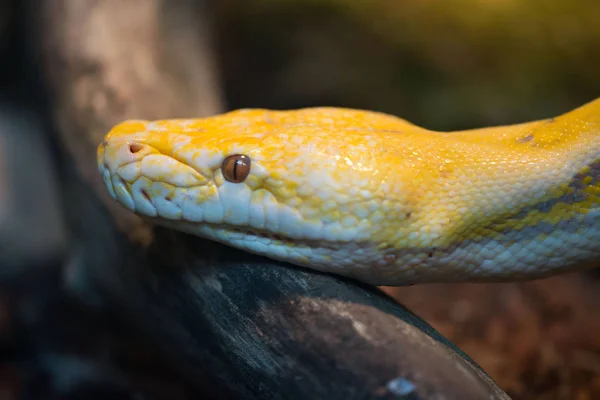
x=368 y=195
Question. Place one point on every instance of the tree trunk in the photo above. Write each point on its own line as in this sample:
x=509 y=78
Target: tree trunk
x=111 y=60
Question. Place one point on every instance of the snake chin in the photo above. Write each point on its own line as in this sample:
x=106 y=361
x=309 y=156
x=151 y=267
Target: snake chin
x=340 y=257
x=242 y=237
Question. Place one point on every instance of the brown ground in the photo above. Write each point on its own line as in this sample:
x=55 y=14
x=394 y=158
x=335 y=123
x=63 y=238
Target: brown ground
x=538 y=340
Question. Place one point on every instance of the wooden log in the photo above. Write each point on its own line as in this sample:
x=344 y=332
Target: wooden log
x=233 y=325
x=250 y=328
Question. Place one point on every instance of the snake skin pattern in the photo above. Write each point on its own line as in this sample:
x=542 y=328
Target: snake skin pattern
x=371 y=196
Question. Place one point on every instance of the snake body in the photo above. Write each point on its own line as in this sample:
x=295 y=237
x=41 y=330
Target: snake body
x=369 y=195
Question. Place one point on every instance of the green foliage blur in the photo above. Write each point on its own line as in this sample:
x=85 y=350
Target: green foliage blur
x=443 y=64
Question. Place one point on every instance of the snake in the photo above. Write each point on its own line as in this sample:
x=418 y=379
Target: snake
x=368 y=195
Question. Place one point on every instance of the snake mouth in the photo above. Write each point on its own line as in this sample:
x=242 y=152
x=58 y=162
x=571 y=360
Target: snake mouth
x=136 y=177
x=171 y=209
x=299 y=251
x=150 y=183
x=237 y=235
x=276 y=237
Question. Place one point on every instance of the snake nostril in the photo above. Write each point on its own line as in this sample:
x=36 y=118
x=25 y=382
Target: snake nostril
x=135 y=147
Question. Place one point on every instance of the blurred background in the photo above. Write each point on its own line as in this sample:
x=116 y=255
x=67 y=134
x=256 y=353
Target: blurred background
x=440 y=64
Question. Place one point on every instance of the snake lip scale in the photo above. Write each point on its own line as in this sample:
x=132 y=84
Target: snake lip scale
x=369 y=195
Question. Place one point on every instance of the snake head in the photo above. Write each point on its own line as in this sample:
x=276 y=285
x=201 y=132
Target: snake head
x=289 y=189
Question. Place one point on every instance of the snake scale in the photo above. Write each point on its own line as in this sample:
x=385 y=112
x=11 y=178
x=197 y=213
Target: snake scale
x=369 y=195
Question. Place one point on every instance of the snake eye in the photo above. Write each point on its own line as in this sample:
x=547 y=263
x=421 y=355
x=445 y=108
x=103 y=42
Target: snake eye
x=236 y=168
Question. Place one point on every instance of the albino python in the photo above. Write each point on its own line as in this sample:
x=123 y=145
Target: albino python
x=368 y=195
